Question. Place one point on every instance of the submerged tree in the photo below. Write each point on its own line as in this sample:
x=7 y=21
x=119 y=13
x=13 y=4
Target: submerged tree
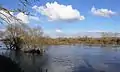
x=22 y=37
x=18 y=35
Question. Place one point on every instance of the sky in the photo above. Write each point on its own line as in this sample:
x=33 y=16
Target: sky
x=70 y=17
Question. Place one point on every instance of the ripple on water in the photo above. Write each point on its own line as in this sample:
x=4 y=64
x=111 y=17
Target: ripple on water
x=71 y=59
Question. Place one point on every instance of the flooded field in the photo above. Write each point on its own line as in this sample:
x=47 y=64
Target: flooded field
x=66 y=58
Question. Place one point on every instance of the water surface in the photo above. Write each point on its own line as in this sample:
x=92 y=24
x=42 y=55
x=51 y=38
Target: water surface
x=65 y=58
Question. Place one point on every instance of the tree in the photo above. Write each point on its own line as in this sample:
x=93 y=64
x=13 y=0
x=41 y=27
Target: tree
x=20 y=36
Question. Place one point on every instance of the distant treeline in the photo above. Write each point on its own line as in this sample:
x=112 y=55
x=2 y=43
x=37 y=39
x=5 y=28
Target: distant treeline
x=83 y=40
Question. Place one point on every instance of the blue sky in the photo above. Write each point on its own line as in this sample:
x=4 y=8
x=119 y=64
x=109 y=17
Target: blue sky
x=105 y=15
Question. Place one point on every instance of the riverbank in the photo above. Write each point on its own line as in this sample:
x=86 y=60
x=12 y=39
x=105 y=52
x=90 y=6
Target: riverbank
x=85 y=40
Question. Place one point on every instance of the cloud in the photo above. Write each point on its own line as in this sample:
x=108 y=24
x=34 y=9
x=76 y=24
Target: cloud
x=55 y=11
x=23 y=18
x=102 y=12
x=11 y=18
x=2 y=29
x=4 y=15
x=58 y=31
x=26 y=18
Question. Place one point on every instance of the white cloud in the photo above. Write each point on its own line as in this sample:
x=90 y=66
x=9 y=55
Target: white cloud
x=21 y=16
x=102 y=12
x=2 y=29
x=55 y=11
x=4 y=15
x=24 y=18
x=10 y=19
x=58 y=31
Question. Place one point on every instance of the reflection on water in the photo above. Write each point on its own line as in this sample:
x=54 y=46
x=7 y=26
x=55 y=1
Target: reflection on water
x=66 y=58
x=7 y=65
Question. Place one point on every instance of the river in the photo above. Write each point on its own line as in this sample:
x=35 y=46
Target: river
x=67 y=58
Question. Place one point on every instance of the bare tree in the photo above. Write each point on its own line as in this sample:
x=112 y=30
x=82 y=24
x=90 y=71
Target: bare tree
x=19 y=36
